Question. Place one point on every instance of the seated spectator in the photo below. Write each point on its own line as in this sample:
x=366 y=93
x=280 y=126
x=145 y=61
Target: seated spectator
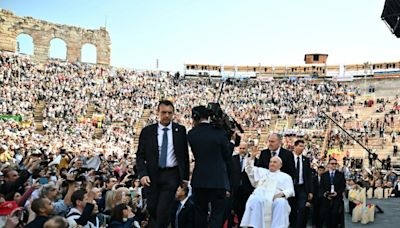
x=183 y=212
x=122 y=217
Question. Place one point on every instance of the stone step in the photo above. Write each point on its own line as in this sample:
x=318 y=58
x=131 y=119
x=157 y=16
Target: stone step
x=98 y=133
x=38 y=116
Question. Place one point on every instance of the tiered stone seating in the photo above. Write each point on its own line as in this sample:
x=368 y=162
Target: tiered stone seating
x=374 y=143
x=38 y=116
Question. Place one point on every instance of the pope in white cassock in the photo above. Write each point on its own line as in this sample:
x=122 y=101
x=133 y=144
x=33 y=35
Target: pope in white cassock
x=268 y=205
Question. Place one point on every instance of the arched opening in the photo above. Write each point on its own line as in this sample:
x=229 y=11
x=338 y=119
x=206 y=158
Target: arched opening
x=89 y=53
x=58 y=49
x=24 y=44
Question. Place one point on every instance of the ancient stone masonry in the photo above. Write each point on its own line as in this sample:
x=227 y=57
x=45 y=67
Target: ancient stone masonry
x=42 y=32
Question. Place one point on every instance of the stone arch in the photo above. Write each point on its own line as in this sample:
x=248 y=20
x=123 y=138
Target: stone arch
x=58 y=49
x=89 y=53
x=42 y=32
x=25 y=44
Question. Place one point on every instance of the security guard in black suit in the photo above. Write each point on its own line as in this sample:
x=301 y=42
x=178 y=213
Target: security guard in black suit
x=240 y=183
x=275 y=149
x=210 y=182
x=333 y=185
x=162 y=162
x=317 y=198
x=302 y=186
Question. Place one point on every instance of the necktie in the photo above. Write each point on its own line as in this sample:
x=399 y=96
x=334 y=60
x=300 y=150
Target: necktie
x=332 y=176
x=177 y=215
x=241 y=164
x=298 y=170
x=164 y=146
x=273 y=153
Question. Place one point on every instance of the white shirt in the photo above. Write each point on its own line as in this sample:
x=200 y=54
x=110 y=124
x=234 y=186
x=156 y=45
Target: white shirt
x=276 y=151
x=301 y=181
x=244 y=162
x=184 y=201
x=171 y=159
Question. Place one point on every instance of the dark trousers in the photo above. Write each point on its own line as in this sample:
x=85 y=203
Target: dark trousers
x=316 y=214
x=299 y=212
x=229 y=217
x=240 y=197
x=202 y=197
x=161 y=197
x=333 y=212
x=351 y=207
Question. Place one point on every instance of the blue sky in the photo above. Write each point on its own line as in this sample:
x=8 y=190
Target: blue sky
x=230 y=32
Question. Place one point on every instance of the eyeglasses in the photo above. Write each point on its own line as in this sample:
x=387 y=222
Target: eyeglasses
x=333 y=163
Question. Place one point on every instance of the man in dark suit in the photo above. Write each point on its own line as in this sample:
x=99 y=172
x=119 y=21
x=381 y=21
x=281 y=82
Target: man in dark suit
x=333 y=185
x=183 y=213
x=162 y=163
x=302 y=187
x=240 y=183
x=212 y=153
x=275 y=149
x=317 y=198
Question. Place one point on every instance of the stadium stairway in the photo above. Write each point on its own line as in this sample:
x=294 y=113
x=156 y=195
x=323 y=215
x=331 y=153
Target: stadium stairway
x=375 y=143
x=38 y=116
x=281 y=124
x=291 y=121
x=326 y=136
x=98 y=133
x=273 y=122
x=89 y=113
x=140 y=124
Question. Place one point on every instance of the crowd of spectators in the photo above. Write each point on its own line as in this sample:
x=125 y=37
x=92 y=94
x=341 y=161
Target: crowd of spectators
x=65 y=170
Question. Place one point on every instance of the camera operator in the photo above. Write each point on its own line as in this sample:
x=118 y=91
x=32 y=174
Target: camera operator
x=212 y=152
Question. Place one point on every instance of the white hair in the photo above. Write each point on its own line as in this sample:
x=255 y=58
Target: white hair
x=278 y=158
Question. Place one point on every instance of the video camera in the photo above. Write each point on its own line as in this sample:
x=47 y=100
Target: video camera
x=80 y=174
x=222 y=120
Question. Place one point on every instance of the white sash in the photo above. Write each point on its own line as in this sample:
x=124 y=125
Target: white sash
x=268 y=187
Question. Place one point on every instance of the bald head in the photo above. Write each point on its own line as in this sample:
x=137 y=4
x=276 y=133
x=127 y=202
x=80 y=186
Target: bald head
x=275 y=164
x=243 y=148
